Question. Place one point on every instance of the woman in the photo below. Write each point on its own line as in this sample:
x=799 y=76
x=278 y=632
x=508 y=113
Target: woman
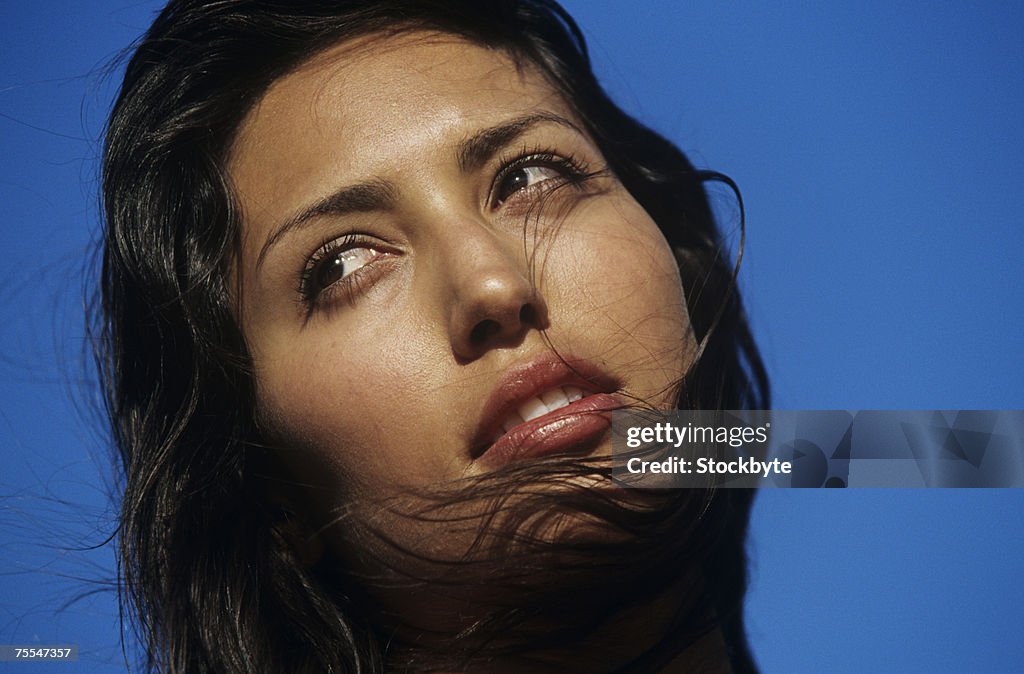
x=374 y=277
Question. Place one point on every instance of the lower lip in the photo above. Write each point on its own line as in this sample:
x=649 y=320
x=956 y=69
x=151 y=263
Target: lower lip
x=567 y=430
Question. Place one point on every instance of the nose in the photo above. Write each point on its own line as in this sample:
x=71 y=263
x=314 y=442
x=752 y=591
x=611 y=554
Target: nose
x=494 y=304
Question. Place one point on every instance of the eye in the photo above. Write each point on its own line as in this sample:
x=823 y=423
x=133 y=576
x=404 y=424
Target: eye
x=522 y=177
x=334 y=265
x=341 y=264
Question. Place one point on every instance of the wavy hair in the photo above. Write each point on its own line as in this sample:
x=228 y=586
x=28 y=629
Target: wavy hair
x=208 y=577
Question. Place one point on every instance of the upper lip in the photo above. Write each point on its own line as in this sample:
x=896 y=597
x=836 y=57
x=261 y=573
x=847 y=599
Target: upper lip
x=531 y=379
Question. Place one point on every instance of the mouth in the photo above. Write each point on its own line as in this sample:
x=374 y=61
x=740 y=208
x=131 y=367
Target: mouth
x=539 y=406
x=545 y=407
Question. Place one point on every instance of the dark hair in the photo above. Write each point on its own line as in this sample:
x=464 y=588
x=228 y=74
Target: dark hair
x=207 y=574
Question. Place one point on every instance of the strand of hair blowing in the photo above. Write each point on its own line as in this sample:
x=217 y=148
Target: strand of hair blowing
x=208 y=582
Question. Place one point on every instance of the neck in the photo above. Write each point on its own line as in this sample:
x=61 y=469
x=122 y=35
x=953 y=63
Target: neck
x=708 y=654
x=643 y=637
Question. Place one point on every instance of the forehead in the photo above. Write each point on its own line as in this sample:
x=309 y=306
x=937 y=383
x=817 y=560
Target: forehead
x=358 y=106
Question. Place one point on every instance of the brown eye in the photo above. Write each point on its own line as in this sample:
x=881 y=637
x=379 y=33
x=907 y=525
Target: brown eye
x=521 y=178
x=336 y=266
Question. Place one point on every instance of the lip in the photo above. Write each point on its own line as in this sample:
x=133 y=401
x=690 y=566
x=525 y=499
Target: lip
x=565 y=430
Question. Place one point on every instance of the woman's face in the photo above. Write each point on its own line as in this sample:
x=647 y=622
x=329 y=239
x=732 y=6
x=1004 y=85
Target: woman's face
x=417 y=236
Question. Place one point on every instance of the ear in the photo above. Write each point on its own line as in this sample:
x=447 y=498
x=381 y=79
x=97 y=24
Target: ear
x=294 y=530
x=284 y=501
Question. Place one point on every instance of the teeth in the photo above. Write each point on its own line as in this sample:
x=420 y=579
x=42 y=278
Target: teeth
x=532 y=408
x=513 y=420
x=555 y=399
x=536 y=407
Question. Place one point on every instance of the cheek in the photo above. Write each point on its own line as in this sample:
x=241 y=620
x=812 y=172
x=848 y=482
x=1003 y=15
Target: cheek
x=614 y=277
x=348 y=415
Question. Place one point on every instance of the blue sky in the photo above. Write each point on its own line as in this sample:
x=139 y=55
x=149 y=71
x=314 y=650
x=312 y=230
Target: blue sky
x=879 y=148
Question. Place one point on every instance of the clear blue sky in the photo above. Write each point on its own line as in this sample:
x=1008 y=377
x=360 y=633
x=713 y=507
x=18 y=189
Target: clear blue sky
x=880 y=150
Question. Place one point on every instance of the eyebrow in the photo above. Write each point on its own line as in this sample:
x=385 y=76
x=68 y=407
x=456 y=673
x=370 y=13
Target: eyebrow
x=376 y=195
x=380 y=195
x=476 y=150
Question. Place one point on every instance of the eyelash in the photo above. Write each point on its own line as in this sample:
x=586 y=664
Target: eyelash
x=329 y=250
x=572 y=170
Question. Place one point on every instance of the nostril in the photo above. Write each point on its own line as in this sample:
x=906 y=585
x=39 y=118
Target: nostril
x=484 y=330
x=527 y=315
